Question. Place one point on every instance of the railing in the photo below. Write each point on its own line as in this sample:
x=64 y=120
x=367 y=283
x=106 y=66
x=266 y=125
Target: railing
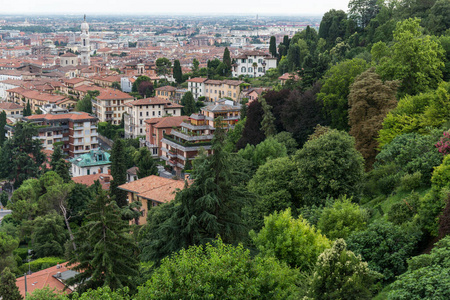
x=192 y=137
x=185 y=144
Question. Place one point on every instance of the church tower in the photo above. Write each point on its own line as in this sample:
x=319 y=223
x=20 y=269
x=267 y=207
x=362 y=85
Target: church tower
x=85 y=47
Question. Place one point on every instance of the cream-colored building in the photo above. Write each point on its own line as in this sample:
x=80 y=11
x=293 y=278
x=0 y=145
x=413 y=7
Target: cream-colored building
x=140 y=110
x=68 y=59
x=110 y=105
x=218 y=89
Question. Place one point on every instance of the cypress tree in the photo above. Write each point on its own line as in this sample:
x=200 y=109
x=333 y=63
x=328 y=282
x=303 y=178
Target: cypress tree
x=227 y=58
x=59 y=164
x=106 y=254
x=188 y=103
x=177 y=73
x=273 y=46
x=118 y=172
x=2 y=127
x=8 y=287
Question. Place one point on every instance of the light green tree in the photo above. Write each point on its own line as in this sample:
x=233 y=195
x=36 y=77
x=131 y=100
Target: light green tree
x=414 y=59
x=341 y=219
x=290 y=240
x=340 y=274
x=219 y=271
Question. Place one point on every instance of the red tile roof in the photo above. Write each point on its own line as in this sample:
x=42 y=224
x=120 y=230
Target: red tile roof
x=197 y=79
x=10 y=105
x=104 y=179
x=154 y=188
x=43 y=278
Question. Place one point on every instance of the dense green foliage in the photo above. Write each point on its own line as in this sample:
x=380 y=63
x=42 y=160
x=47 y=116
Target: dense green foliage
x=219 y=271
x=329 y=166
x=290 y=240
x=340 y=274
x=342 y=219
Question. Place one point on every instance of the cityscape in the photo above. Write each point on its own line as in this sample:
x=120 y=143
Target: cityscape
x=225 y=151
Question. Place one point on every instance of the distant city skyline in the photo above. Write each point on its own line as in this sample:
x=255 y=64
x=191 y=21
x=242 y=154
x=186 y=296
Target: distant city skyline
x=175 y=7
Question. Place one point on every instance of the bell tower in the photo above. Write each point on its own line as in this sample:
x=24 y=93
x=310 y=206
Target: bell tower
x=85 y=48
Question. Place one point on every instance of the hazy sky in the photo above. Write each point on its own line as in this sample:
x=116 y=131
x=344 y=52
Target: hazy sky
x=284 y=7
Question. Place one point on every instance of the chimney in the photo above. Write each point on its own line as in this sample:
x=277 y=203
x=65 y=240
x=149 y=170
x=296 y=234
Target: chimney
x=58 y=275
x=99 y=171
x=106 y=178
x=109 y=171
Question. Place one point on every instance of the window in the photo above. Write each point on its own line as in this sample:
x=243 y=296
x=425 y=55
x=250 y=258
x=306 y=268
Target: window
x=140 y=122
x=206 y=90
x=147 y=114
x=250 y=69
x=243 y=60
x=250 y=60
x=260 y=61
x=140 y=114
x=49 y=142
x=174 y=112
x=88 y=172
x=159 y=113
x=153 y=113
x=243 y=70
x=260 y=70
x=140 y=130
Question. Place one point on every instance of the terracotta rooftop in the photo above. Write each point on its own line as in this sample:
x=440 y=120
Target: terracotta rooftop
x=69 y=54
x=149 y=101
x=10 y=105
x=154 y=188
x=71 y=116
x=167 y=88
x=197 y=79
x=167 y=122
x=104 y=179
x=46 y=277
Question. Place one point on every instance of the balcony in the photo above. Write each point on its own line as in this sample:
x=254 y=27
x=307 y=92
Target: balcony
x=186 y=146
x=191 y=138
x=57 y=136
x=76 y=134
x=78 y=143
x=80 y=151
x=196 y=127
x=109 y=112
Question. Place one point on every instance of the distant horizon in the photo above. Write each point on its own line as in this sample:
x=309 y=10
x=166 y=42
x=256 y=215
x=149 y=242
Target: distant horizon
x=174 y=8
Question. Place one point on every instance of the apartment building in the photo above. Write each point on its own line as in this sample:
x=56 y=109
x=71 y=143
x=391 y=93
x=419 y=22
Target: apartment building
x=196 y=86
x=253 y=64
x=140 y=110
x=218 y=89
x=155 y=128
x=109 y=105
x=77 y=131
x=181 y=146
x=166 y=92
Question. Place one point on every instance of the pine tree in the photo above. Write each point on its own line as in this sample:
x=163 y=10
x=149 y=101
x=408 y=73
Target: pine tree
x=118 y=172
x=21 y=156
x=2 y=127
x=146 y=164
x=8 y=287
x=177 y=73
x=273 y=46
x=106 y=254
x=211 y=206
